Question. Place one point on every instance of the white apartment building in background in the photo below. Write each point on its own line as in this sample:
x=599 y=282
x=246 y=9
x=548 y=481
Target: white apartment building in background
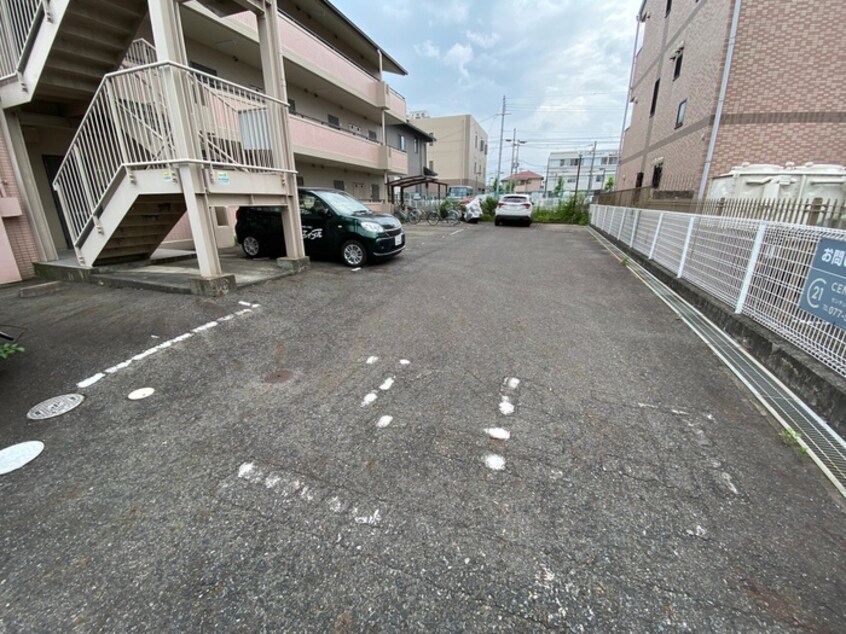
x=581 y=170
x=459 y=154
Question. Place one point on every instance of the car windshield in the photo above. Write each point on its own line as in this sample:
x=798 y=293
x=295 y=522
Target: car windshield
x=344 y=204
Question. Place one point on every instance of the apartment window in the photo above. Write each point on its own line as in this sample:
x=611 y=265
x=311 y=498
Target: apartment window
x=292 y=106
x=416 y=145
x=678 y=65
x=334 y=121
x=669 y=6
x=371 y=134
x=402 y=142
x=300 y=181
x=476 y=141
x=572 y=179
x=374 y=193
x=680 y=114
x=657 y=173
x=654 y=98
x=338 y=185
x=598 y=179
x=639 y=180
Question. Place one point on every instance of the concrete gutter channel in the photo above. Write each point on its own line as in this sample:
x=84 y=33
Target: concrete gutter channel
x=821 y=388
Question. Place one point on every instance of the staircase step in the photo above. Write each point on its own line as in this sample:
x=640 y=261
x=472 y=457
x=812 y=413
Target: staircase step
x=126 y=9
x=103 y=16
x=56 y=84
x=88 y=69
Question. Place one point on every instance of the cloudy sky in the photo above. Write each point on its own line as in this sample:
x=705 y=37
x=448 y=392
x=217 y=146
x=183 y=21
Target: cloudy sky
x=563 y=66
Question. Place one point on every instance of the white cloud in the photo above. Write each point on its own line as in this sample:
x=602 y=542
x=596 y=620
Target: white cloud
x=483 y=40
x=450 y=12
x=428 y=49
x=459 y=55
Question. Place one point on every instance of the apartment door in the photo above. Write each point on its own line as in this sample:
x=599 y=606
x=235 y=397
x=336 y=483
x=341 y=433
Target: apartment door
x=52 y=163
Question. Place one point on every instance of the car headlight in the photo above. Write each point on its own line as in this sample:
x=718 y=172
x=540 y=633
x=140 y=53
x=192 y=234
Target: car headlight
x=372 y=227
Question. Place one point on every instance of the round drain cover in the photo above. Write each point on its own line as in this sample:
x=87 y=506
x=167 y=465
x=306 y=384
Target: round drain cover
x=137 y=395
x=14 y=457
x=279 y=377
x=55 y=406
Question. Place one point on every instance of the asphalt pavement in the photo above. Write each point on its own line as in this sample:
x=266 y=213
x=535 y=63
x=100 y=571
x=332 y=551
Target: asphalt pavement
x=501 y=429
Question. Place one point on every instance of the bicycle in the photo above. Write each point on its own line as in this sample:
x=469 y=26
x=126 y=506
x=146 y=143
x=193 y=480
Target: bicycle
x=406 y=214
x=451 y=217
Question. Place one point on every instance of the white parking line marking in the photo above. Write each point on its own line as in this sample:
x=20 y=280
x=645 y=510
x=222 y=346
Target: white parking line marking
x=372 y=360
x=495 y=462
x=384 y=421
x=369 y=399
x=387 y=384
x=162 y=346
x=498 y=433
x=506 y=406
x=454 y=232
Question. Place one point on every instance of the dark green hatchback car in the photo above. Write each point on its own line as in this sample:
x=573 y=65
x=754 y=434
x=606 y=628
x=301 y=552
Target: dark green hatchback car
x=334 y=225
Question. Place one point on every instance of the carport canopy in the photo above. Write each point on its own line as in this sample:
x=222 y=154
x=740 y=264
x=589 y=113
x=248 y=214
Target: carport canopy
x=412 y=181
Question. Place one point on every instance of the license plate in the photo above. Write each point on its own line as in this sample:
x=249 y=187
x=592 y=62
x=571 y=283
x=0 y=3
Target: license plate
x=398 y=240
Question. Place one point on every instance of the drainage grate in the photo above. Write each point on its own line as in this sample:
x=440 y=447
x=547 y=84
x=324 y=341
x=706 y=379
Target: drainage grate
x=55 y=406
x=825 y=447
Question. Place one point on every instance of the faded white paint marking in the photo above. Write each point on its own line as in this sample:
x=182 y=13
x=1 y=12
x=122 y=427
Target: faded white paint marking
x=243 y=303
x=243 y=312
x=14 y=457
x=226 y=318
x=207 y=326
x=404 y=361
x=680 y=412
x=506 y=406
x=139 y=394
x=495 y=462
x=271 y=481
x=650 y=406
x=455 y=232
x=727 y=479
x=155 y=337
x=246 y=470
x=387 y=385
x=307 y=493
x=710 y=417
x=512 y=383
x=369 y=399
x=371 y=520
x=372 y=360
x=544 y=577
x=384 y=421
x=358 y=268
x=91 y=380
x=498 y=433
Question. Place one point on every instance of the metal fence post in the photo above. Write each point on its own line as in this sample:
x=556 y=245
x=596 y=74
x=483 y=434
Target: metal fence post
x=657 y=231
x=622 y=222
x=634 y=227
x=750 y=268
x=686 y=246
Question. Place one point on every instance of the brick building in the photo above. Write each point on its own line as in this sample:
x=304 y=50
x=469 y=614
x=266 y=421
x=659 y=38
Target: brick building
x=782 y=100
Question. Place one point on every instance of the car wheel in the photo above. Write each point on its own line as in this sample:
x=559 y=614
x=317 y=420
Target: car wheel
x=496 y=222
x=251 y=246
x=474 y=221
x=529 y=222
x=353 y=253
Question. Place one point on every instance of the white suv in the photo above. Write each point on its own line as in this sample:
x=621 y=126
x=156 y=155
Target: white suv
x=517 y=207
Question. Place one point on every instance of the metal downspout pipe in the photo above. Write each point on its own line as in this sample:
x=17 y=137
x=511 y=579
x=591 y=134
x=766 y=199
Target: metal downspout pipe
x=723 y=89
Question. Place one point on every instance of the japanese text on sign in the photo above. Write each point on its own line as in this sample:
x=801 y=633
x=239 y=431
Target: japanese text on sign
x=824 y=293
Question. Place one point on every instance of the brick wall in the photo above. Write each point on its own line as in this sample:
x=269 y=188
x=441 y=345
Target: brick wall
x=17 y=228
x=783 y=101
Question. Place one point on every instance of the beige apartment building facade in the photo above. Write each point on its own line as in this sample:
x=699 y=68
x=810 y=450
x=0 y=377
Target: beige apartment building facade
x=332 y=133
x=717 y=83
x=459 y=154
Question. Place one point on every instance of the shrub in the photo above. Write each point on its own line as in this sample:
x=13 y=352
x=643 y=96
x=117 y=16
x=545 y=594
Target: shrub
x=8 y=349
x=574 y=210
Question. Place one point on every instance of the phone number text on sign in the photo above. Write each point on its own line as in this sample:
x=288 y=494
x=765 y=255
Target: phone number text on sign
x=824 y=293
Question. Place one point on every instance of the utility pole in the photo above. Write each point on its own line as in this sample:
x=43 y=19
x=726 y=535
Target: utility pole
x=578 y=175
x=592 y=159
x=501 y=135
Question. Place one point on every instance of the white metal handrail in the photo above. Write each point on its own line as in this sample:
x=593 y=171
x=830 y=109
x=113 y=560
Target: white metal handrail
x=140 y=53
x=756 y=267
x=128 y=125
x=19 y=20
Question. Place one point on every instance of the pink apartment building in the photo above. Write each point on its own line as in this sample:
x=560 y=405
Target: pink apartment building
x=716 y=83
x=120 y=147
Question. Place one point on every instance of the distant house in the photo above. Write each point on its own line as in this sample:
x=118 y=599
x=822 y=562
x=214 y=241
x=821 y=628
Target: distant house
x=527 y=182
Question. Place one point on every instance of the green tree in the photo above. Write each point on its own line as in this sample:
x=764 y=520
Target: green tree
x=559 y=187
x=609 y=184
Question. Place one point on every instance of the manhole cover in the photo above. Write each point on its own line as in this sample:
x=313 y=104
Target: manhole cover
x=14 y=457
x=144 y=392
x=55 y=406
x=279 y=377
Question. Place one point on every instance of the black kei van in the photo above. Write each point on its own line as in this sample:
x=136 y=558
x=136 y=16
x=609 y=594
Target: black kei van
x=334 y=225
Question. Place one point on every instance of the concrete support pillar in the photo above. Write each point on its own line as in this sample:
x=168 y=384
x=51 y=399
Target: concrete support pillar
x=170 y=47
x=279 y=131
x=33 y=208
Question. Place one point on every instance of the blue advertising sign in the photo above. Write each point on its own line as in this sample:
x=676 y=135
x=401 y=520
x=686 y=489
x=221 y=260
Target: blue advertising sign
x=824 y=294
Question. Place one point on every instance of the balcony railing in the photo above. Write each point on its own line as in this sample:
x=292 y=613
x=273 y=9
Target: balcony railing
x=129 y=126
x=19 y=22
x=140 y=53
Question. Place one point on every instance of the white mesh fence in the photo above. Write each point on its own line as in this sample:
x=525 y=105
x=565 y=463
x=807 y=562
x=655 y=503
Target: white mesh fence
x=758 y=268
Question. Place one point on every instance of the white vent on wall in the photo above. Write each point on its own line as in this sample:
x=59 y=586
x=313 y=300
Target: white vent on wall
x=355 y=128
